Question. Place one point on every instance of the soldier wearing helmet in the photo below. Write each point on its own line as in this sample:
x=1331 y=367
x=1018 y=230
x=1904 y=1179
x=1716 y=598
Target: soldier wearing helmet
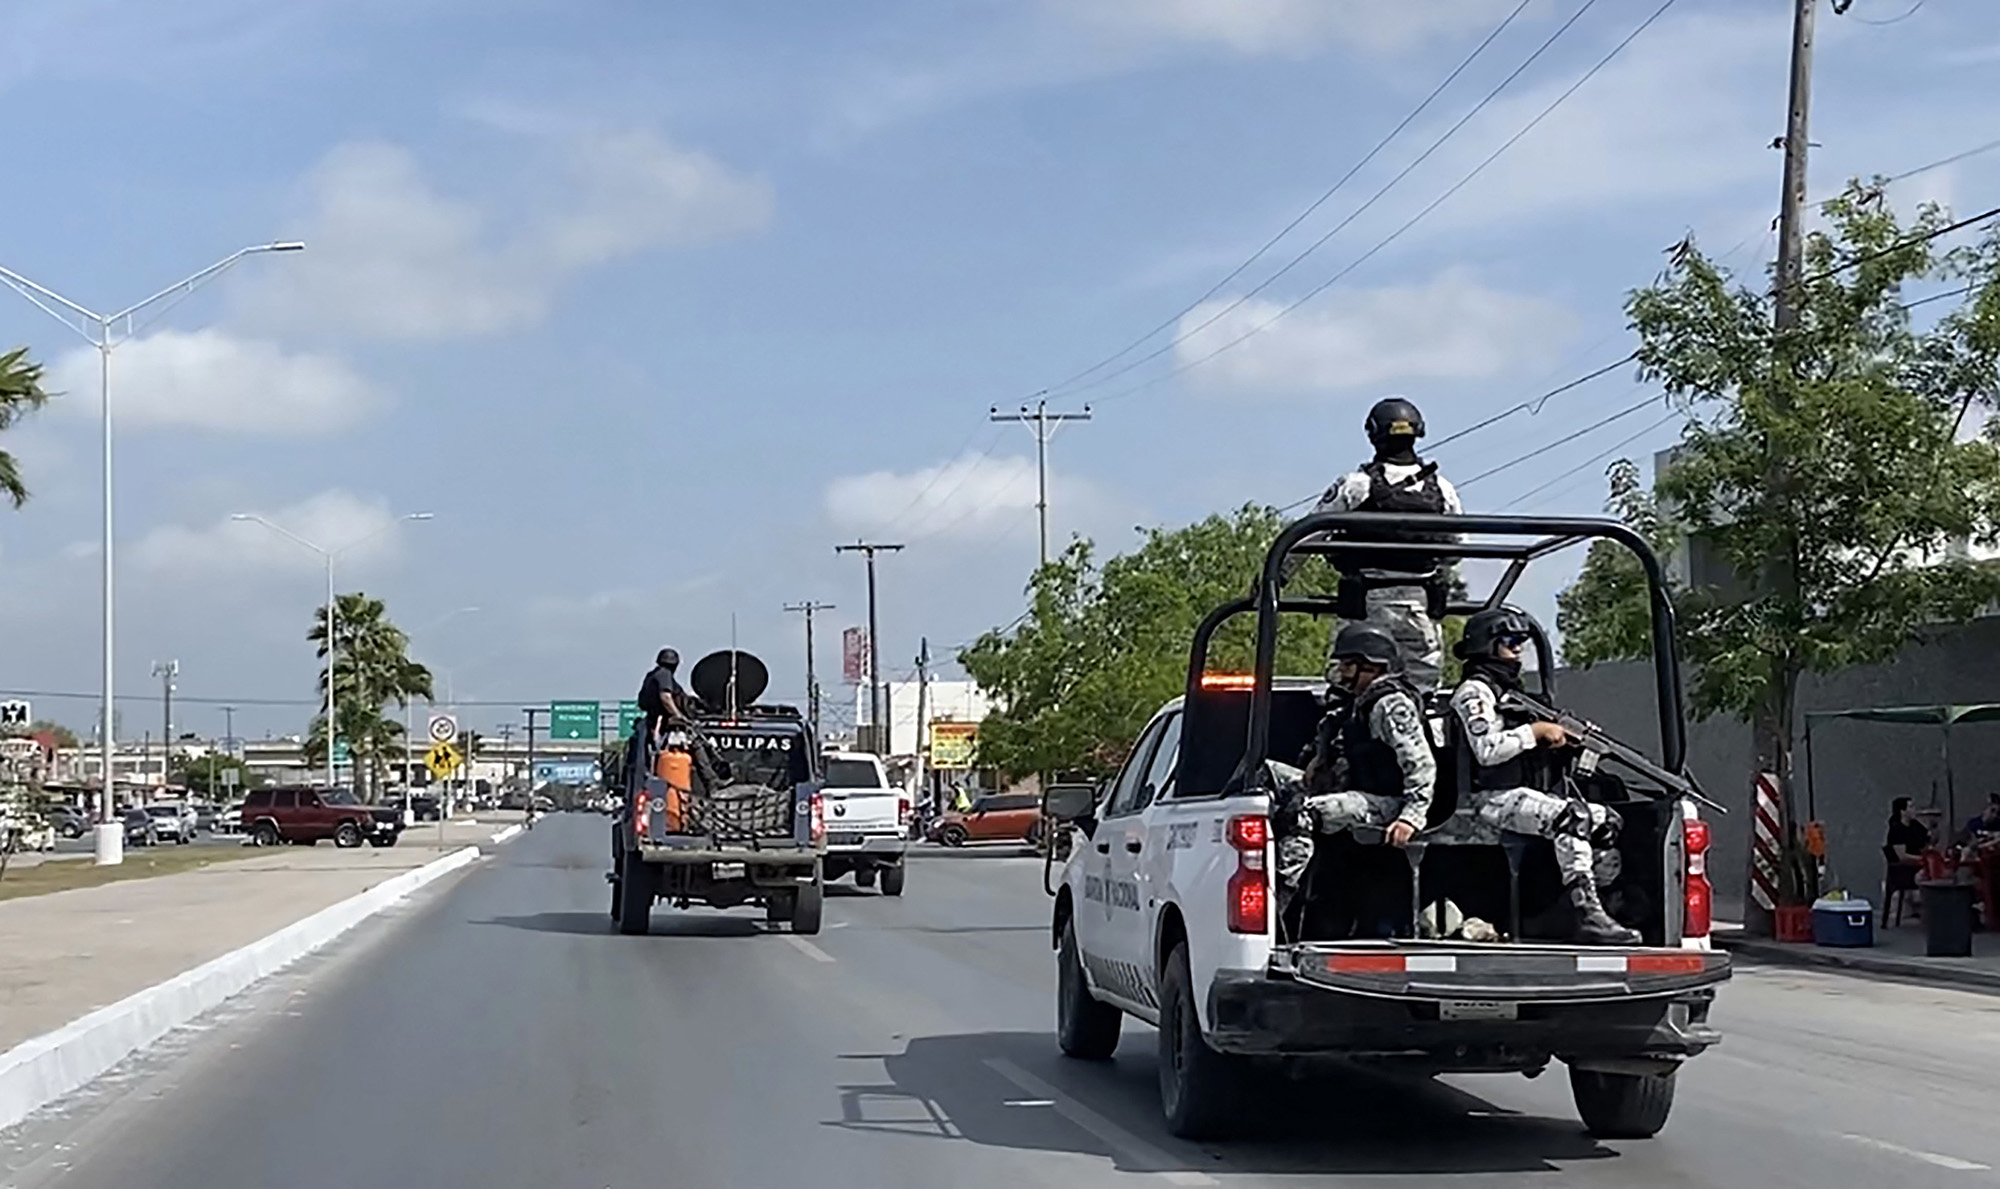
x=1390 y=771
x=1501 y=742
x=1403 y=592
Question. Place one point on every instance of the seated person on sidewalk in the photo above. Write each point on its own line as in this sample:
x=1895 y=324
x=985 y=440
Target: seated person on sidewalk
x=1982 y=829
x=1502 y=796
x=1907 y=839
x=1390 y=772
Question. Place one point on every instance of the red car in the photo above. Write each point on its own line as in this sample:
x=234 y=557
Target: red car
x=994 y=817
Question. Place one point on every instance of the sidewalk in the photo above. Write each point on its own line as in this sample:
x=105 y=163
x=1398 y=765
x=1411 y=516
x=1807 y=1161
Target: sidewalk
x=65 y=954
x=1897 y=952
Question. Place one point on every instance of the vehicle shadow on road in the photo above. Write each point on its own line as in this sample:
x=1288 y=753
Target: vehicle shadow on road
x=599 y=924
x=1352 y=1122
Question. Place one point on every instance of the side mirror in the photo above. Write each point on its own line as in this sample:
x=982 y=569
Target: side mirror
x=1069 y=802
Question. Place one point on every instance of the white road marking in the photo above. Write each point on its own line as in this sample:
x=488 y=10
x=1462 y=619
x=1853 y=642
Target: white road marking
x=807 y=948
x=1128 y=1146
x=1950 y=1162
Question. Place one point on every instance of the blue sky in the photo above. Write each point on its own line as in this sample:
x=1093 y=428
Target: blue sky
x=651 y=304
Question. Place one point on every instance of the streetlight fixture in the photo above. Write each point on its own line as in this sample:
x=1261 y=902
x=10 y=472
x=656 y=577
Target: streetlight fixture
x=106 y=332
x=328 y=556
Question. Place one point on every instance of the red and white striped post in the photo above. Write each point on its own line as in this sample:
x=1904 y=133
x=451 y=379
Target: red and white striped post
x=1767 y=824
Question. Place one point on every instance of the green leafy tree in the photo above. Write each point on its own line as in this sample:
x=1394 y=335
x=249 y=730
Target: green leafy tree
x=204 y=774
x=1860 y=414
x=21 y=392
x=1101 y=647
x=1606 y=614
x=372 y=671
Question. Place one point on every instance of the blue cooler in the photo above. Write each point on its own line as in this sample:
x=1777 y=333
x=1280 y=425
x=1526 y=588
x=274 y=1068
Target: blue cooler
x=1843 y=923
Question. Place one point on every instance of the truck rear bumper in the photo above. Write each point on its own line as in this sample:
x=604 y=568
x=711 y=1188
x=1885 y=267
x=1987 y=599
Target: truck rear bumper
x=880 y=846
x=1252 y=1013
x=692 y=855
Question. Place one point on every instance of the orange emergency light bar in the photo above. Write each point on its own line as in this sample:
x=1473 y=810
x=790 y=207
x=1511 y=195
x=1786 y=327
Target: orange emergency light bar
x=1228 y=680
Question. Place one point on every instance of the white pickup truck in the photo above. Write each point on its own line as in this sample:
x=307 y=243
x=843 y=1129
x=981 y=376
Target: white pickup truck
x=1167 y=908
x=867 y=821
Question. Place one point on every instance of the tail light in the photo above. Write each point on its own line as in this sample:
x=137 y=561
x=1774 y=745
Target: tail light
x=1249 y=908
x=641 y=805
x=1700 y=897
x=818 y=819
x=902 y=811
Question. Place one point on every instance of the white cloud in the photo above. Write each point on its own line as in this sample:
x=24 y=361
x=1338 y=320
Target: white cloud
x=390 y=257
x=636 y=192
x=972 y=496
x=1283 y=27
x=364 y=531
x=1453 y=328
x=211 y=379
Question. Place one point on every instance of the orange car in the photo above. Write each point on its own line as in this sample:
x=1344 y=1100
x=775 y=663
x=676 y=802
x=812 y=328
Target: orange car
x=994 y=817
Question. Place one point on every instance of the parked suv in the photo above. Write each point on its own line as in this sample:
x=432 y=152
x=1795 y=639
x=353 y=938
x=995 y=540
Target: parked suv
x=308 y=815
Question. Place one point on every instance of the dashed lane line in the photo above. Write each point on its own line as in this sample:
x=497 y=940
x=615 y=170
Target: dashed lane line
x=1128 y=1147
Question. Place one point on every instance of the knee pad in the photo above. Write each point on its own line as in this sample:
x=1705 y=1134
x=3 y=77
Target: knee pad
x=1606 y=833
x=1572 y=822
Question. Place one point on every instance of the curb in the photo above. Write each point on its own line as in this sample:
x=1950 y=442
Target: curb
x=506 y=834
x=1917 y=970
x=36 y=1072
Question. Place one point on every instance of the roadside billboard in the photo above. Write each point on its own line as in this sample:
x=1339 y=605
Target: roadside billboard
x=953 y=745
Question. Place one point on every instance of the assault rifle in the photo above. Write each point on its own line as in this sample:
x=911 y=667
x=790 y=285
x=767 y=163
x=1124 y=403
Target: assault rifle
x=1595 y=743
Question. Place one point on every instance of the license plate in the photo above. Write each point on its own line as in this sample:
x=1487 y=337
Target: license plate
x=1477 y=1009
x=843 y=839
x=725 y=871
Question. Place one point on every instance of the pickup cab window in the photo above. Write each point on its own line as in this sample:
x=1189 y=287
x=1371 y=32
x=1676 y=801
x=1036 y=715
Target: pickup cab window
x=1160 y=772
x=1125 y=793
x=852 y=774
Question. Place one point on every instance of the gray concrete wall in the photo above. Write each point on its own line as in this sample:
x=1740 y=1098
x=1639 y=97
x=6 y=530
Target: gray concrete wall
x=1856 y=767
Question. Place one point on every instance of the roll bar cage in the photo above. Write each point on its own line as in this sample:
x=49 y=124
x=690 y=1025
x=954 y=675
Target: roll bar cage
x=1520 y=541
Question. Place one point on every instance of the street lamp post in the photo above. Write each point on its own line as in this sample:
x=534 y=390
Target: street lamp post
x=106 y=332
x=328 y=556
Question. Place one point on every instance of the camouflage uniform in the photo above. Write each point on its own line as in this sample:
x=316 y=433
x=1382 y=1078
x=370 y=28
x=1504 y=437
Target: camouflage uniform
x=1404 y=611
x=1390 y=770
x=1500 y=802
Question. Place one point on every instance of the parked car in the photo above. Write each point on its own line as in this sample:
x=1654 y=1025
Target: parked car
x=308 y=815
x=140 y=829
x=169 y=824
x=994 y=817
x=67 y=821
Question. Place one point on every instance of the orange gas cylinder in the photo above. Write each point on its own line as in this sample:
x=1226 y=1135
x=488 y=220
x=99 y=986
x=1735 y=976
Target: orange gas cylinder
x=675 y=768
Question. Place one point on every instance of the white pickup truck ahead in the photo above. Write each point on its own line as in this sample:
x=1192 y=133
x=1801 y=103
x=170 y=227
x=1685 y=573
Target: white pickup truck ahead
x=1168 y=910
x=867 y=821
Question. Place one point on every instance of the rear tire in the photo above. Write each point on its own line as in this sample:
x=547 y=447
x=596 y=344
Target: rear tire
x=1086 y=1029
x=808 y=909
x=1199 y=1087
x=264 y=834
x=778 y=909
x=1622 y=1105
x=635 y=899
x=892 y=880
x=864 y=877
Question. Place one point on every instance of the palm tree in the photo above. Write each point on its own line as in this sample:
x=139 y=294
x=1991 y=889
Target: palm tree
x=20 y=392
x=372 y=670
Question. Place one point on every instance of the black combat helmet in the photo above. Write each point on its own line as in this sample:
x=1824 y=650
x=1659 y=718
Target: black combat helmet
x=1394 y=418
x=1486 y=630
x=1369 y=644
x=669 y=658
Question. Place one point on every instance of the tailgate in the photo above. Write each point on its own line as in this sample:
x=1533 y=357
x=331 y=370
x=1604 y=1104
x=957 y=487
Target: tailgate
x=1462 y=971
x=862 y=811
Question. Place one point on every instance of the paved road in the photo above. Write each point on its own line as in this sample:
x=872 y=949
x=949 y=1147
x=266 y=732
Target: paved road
x=498 y=1034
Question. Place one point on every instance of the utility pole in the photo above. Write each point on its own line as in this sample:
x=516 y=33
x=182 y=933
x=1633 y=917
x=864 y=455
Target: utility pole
x=922 y=748
x=811 y=608
x=166 y=671
x=531 y=712
x=1781 y=576
x=869 y=550
x=1044 y=424
x=229 y=731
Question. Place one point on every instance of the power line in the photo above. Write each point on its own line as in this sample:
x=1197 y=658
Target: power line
x=939 y=474
x=1337 y=228
x=1593 y=460
x=1292 y=226
x=1393 y=236
x=1567 y=438
x=1909 y=241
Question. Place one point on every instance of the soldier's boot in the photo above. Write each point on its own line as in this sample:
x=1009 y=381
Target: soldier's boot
x=1594 y=926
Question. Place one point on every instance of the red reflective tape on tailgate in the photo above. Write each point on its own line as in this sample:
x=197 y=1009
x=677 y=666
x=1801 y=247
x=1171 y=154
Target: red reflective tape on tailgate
x=1364 y=963
x=1665 y=964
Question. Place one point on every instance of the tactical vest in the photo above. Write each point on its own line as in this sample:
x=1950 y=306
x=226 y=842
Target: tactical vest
x=1421 y=494
x=1371 y=764
x=1515 y=773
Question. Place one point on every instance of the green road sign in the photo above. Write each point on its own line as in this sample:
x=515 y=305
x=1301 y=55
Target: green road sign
x=574 y=720
x=341 y=752
x=628 y=717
